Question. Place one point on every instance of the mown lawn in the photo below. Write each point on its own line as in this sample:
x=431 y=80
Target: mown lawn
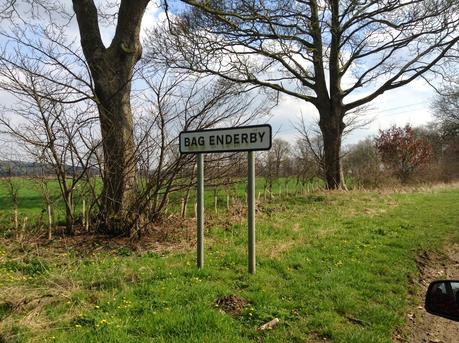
x=331 y=266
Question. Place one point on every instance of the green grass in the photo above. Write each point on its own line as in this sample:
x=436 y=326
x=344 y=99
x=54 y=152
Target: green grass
x=31 y=202
x=237 y=192
x=332 y=266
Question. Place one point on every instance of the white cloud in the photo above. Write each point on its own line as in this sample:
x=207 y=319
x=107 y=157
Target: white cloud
x=6 y=99
x=409 y=104
x=153 y=15
x=405 y=105
x=287 y=114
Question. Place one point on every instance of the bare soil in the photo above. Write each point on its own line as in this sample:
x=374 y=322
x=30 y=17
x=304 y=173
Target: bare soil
x=420 y=325
x=171 y=234
x=232 y=304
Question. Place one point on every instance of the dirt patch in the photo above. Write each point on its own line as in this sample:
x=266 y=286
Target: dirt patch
x=23 y=306
x=171 y=234
x=232 y=304
x=420 y=325
x=278 y=249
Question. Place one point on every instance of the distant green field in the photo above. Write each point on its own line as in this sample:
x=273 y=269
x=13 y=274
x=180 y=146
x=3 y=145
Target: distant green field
x=331 y=266
x=31 y=203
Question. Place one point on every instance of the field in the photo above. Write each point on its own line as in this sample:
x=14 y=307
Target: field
x=331 y=266
x=31 y=202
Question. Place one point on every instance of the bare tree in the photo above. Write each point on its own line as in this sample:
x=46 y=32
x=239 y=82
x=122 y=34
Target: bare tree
x=105 y=74
x=363 y=163
x=272 y=163
x=51 y=132
x=281 y=150
x=446 y=107
x=110 y=69
x=13 y=187
x=336 y=55
x=305 y=163
x=311 y=139
x=173 y=102
x=265 y=164
x=311 y=143
x=64 y=81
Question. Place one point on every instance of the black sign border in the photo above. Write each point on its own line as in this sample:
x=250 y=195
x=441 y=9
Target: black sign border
x=225 y=129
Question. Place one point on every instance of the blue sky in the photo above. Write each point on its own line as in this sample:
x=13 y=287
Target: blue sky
x=409 y=104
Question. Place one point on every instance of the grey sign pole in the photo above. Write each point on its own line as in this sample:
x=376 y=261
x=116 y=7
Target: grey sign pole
x=200 y=211
x=251 y=211
x=246 y=138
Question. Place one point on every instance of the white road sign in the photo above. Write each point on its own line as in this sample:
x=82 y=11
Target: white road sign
x=244 y=138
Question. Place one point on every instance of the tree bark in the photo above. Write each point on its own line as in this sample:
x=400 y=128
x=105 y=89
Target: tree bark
x=112 y=70
x=113 y=93
x=332 y=127
x=331 y=108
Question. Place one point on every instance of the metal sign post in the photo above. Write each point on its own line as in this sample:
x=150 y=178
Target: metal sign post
x=251 y=211
x=200 y=211
x=247 y=138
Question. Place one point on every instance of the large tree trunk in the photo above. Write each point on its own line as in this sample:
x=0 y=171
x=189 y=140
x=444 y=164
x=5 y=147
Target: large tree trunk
x=332 y=126
x=330 y=101
x=112 y=70
x=118 y=144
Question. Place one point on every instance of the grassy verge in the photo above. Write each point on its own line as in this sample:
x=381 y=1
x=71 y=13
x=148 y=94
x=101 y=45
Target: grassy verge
x=332 y=266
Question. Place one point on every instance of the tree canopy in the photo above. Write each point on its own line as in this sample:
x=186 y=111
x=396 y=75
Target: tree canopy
x=337 y=55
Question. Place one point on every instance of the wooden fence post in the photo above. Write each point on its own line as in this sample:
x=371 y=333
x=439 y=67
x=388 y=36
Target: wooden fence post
x=50 y=223
x=15 y=216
